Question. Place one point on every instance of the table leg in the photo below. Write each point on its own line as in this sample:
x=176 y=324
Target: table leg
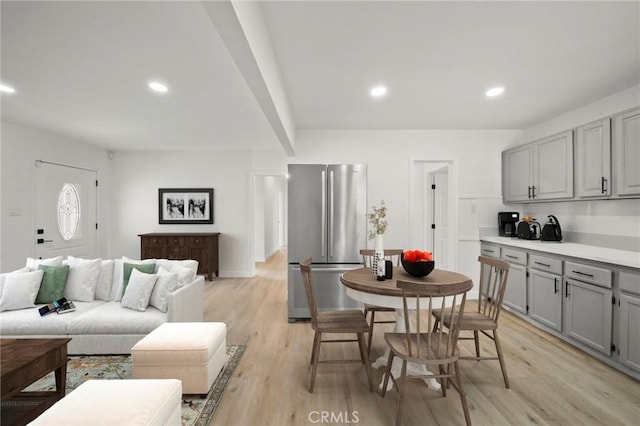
x=61 y=380
x=396 y=366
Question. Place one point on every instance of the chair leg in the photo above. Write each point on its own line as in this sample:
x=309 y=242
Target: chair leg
x=403 y=382
x=503 y=366
x=373 y=317
x=443 y=380
x=313 y=347
x=387 y=374
x=316 y=355
x=365 y=359
x=476 y=339
x=435 y=325
x=463 y=397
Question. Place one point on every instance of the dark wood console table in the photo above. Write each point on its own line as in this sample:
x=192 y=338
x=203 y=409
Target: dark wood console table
x=199 y=246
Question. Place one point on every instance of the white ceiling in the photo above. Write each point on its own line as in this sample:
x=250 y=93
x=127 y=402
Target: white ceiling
x=80 y=68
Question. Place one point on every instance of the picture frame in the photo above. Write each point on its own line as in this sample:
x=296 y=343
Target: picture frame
x=193 y=206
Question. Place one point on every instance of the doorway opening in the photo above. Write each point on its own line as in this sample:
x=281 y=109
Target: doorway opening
x=268 y=216
x=434 y=210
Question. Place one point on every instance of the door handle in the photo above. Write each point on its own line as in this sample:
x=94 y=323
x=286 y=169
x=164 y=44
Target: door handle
x=603 y=185
x=42 y=241
x=555 y=286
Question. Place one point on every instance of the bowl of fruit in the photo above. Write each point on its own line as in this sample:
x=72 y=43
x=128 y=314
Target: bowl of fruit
x=417 y=263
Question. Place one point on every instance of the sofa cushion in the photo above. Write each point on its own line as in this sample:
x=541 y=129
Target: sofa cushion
x=82 y=279
x=118 y=274
x=111 y=317
x=138 y=291
x=105 y=281
x=33 y=264
x=25 y=322
x=19 y=290
x=53 y=283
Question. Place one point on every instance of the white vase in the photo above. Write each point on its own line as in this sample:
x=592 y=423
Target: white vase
x=378 y=256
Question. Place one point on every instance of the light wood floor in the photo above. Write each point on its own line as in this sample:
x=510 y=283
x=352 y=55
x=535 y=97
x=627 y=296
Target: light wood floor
x=552 y=383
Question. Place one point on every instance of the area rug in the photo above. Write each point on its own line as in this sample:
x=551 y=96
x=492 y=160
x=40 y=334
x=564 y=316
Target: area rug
x=196 y=410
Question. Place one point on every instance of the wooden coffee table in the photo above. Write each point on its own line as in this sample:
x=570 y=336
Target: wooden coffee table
x=22 y=362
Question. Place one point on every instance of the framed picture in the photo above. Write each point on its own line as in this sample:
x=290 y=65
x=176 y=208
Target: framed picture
x=185 y=206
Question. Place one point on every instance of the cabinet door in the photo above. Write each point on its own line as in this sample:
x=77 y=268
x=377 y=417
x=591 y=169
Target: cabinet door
x=152 y=247
x=545 y=298
x=553 y=167
x=515 y=295
x=593 y=159
x=517 y=174
x=629 y=334
x=627 y=146
x=589 y=314
x=201 y=254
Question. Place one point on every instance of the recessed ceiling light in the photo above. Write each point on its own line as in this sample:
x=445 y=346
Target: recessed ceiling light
x=494 y=91
x=378 y=91
x=6 y=89
x=156 y=86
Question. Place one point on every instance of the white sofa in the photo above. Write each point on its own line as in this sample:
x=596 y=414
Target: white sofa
x=106 y=326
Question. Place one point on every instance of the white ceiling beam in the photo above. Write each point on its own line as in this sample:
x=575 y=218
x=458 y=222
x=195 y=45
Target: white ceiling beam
x=242 y=28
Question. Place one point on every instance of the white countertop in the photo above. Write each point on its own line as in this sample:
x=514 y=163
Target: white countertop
x=630 y=259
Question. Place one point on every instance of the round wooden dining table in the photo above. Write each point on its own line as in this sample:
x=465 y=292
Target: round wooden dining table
x=363 y=286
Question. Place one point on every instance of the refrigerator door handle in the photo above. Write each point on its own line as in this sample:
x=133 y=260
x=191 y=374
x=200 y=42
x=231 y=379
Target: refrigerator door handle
x=331 y=213
x=323 y=230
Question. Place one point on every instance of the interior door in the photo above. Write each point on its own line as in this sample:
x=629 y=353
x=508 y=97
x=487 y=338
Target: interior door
x=65 y=211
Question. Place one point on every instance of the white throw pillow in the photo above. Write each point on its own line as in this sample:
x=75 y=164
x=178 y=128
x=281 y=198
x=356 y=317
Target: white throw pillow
x=138 y=292
x=20 y=290
x=82 y=279
x=105 y=281
x=167 y=282
x=4 y=276
x=185 y=275
x=169 y=264
x=118 y=278
x=33 y=264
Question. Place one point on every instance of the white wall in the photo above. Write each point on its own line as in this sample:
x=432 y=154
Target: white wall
x=601 y=108
x=476 y=155
x=139 y=174
x=20 y=147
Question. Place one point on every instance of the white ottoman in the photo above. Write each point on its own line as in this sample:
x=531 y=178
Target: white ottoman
x=117 y=402
x=193 y=352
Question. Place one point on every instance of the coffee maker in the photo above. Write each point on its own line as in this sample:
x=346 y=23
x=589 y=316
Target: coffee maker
x=507 y=223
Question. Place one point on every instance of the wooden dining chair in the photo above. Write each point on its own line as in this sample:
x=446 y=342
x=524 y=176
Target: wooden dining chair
x=427 y=346
x=367 y=260
x=333 y=322
x=493 y=282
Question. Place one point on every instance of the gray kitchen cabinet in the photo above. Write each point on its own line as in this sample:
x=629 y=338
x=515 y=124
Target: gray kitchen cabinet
x=540 y=170
x=626 y=143
x=517 y=174
x=545 y=291
x=515 y=295
x=553 y=167
x=490 y=250
x=593 y=160
x=629 y=320
x=588 y=301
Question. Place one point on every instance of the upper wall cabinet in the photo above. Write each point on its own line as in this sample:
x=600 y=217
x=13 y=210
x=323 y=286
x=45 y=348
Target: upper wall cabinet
x=627 y=149
x=541 y=170
x=517 y=174
x=593 y=159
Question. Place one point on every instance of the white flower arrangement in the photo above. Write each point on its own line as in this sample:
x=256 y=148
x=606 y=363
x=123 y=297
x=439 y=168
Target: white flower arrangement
x=378 y=220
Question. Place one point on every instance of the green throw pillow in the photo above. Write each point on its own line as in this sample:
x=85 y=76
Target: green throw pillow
x=53 y=282
x=147 y=268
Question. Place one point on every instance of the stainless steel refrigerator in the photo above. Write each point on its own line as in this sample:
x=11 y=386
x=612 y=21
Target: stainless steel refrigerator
x=327 y=222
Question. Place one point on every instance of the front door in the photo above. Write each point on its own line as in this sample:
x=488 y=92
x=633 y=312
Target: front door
x=65 y=211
